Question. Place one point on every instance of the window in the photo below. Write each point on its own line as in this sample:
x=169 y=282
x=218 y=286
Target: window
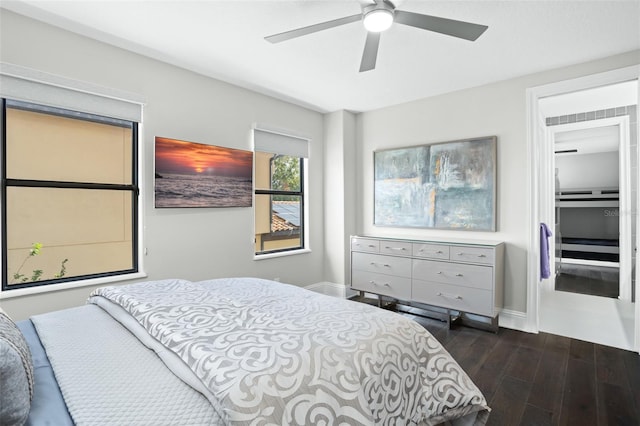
x=279 y=192
x=69 y=195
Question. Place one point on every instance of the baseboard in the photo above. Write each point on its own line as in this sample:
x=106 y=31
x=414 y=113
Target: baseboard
x=330 y=289
x=514 y=320
x=317 y=287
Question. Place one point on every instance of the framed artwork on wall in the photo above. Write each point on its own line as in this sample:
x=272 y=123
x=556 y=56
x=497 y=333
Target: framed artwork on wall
x=448 y=185
x=189 y=174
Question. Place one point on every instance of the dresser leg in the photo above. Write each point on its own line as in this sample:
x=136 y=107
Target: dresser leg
x=495 y=325
x=453 y=319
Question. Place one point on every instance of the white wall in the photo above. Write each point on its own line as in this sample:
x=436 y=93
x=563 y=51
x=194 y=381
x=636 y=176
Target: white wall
x=496 y=109
x=587 y=171
x=193 y=244
x=339 y=196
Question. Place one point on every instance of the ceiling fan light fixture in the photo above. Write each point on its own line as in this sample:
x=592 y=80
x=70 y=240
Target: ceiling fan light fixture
x=378 y=19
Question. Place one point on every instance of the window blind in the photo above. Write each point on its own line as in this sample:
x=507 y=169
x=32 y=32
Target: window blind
x=29 y=85
x=280 y=143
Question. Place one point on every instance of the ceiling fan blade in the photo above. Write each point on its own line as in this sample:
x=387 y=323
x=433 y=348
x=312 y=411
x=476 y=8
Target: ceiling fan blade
x=451 y=27
x=370 y=52
x=287 y=35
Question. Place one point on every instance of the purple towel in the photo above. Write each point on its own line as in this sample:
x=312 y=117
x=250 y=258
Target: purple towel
x=545 y=233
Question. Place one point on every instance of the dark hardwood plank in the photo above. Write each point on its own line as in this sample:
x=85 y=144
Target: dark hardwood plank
x=463 y=338
x=507 y=404
x=632 y=367
x=556 y=343
x=513 y=336
x=582 y=351
x=524 y=363
x=579 y=400
x=479 y=352
x=534 y=416
x=490 y=373
x=548 y=385
x=471 y=350
x=534 y=341
x=615 y=406
x=445 y=336
x=610 y=366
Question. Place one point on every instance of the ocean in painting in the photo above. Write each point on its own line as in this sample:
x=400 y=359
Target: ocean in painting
x=202 y=190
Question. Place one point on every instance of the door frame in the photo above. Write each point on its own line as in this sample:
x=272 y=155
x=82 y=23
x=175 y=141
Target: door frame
x=536 y=133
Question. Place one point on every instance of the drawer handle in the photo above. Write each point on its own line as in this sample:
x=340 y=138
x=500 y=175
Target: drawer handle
x=383 y=264
x=439 y=272
x=450 y=296
x=436 y=252
x=464 y=254
x=369 y=245
x=375 y=283
x=459 y=275
x=395 y=248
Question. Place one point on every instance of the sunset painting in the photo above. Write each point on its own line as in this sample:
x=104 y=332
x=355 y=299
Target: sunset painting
x=189 y=174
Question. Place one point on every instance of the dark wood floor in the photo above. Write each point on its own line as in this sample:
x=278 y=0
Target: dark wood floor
x=544 y=379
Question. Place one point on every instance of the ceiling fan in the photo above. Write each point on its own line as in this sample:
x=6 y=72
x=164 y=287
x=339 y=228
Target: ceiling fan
x=379 y=16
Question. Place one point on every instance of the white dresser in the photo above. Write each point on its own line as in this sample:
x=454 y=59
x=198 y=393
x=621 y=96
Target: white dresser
x=464 y=276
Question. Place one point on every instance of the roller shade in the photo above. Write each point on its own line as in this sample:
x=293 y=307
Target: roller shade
x=280 y=143
x=29 y=85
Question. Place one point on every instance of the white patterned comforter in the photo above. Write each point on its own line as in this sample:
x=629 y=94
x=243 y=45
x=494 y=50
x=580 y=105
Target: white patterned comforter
x=273 y=353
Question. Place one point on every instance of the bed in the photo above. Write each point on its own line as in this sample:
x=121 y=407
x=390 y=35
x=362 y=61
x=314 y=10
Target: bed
x=587 y=225
x=602 y=249
x=229 y=351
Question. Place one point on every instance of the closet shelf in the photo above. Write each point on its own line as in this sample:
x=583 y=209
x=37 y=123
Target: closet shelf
x=595 y=197
x=587 y=203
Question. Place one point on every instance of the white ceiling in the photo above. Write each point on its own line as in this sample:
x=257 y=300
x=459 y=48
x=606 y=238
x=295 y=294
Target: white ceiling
x=588 y=141
x=225 y=40
x=605 y=97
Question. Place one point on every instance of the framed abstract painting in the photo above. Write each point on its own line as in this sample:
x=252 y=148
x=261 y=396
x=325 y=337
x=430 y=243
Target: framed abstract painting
x=448 y=185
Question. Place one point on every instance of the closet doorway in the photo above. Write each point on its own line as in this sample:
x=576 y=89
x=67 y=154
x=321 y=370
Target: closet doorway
x=591 y=185
x=592 y=215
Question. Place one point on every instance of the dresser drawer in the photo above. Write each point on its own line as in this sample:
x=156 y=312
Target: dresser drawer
x=472 y=254
x=365 y=244
x=431 y=251
x=387 y=285
x=454 y=273
x=398 y=248
x=472 y=300
x=377 y=263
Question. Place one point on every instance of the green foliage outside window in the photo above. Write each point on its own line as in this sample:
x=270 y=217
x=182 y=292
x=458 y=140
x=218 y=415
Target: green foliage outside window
x=285 y=176
x=36 y=274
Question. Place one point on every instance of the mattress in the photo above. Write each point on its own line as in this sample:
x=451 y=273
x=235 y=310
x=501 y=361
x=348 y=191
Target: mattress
x=107 y=377
x=591 y=241
x=48 y=406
